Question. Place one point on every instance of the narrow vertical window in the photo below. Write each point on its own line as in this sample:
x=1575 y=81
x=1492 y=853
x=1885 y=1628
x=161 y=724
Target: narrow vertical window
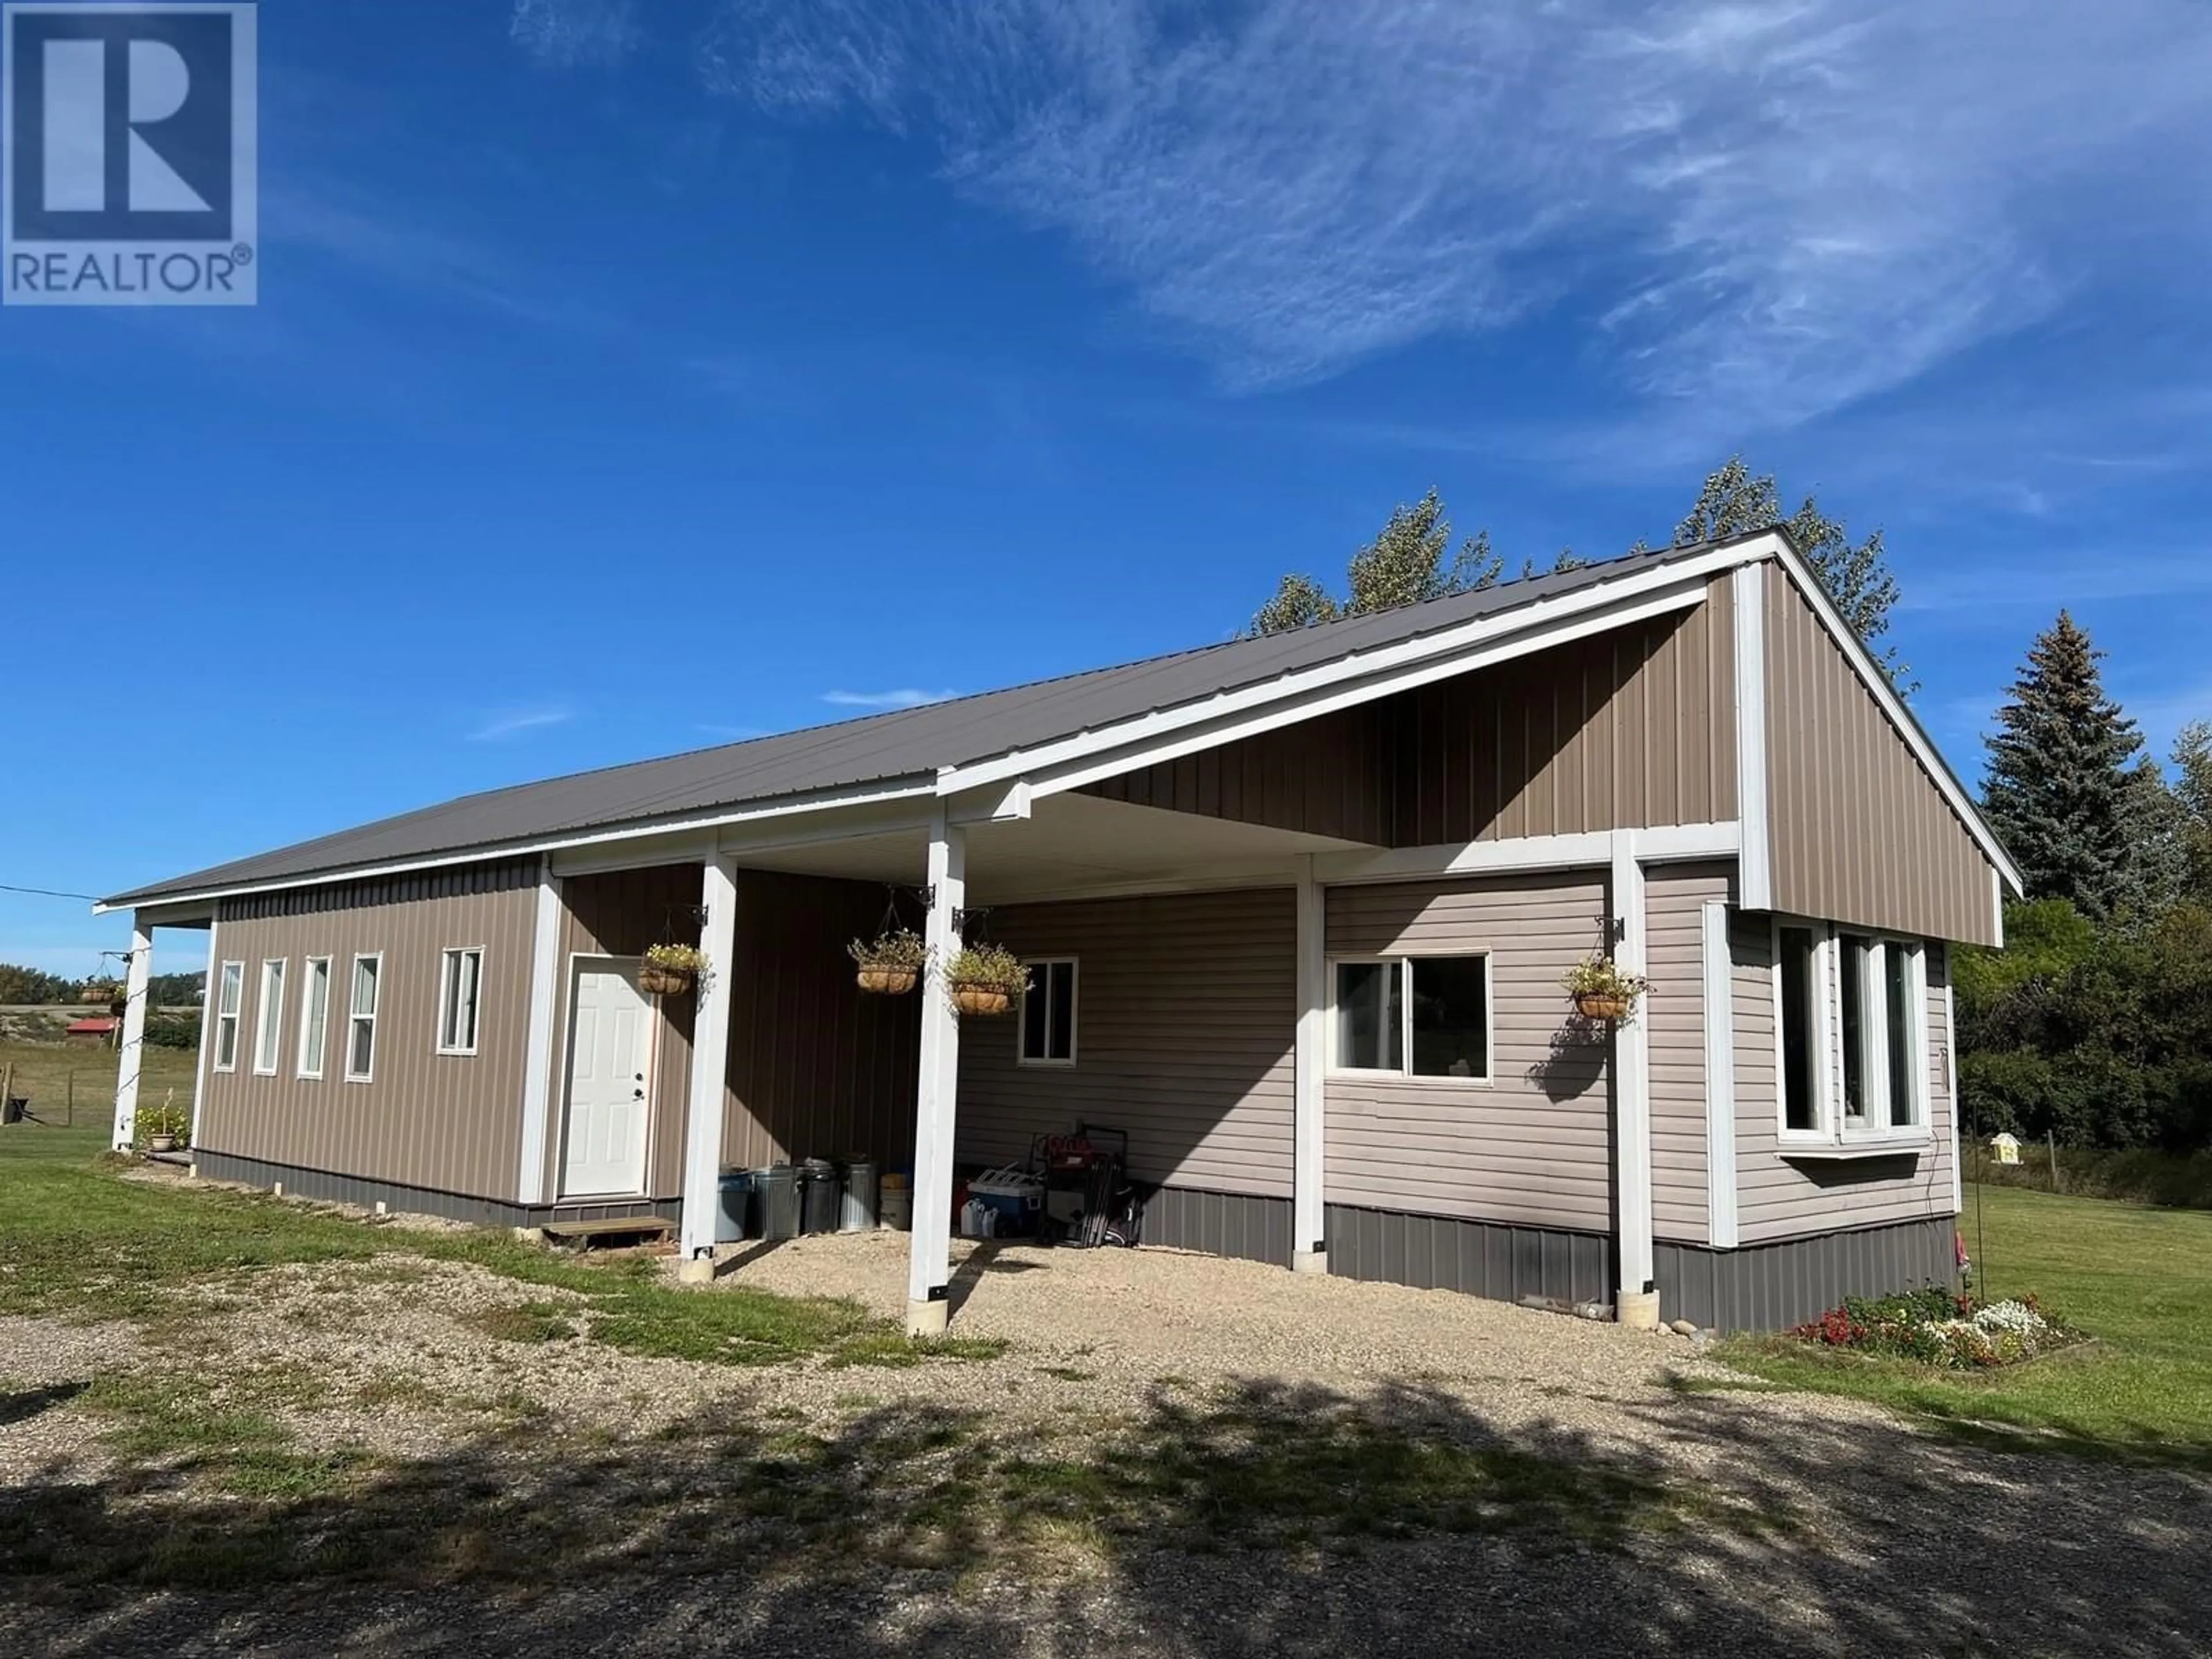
x=1859 y=1060
x=1900 y=978
x=269 y=1017
x=1048 y=1015
x=314 y=1015
x=460 y=981
x=229 y=997
x=361 y=1025
x=1798 y=979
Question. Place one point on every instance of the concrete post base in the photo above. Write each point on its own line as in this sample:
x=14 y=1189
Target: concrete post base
x=1309 y=1261
x=696 y=1270
x=928 y=1318
x=1638 y=1310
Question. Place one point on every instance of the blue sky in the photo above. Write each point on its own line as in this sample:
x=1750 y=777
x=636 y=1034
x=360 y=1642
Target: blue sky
x=634 y=377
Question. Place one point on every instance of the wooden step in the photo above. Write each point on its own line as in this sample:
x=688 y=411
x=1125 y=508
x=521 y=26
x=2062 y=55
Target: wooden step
x=604 y=1227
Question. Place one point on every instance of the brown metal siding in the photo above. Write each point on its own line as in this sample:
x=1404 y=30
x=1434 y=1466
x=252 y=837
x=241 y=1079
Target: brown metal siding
x=1674 y=1023
x=619 y=913
x=817 y=1069
x=1632 y=728
x=1533 y=1148
x=452 y=1123
x=1185 y=1005
x=1777 y=1197
x=1860 y=832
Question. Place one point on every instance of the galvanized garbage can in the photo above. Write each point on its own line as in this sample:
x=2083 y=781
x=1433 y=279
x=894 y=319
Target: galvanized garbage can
x=858 y=1214
x=819 y=1196
x=776 y=1200
x=735 y=1220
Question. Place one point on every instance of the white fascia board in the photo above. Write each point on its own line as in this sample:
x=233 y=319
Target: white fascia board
x=763 y=811
x=1669 y=843
x=1305 y=694
x=1885 y=695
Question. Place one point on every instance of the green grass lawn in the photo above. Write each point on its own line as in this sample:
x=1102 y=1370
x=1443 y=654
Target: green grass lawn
x=77 y=1241
x=2139 y=1280
x=43 y=1071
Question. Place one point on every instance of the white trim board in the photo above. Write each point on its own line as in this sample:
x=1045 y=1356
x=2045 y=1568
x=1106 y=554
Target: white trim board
x=1669 y=843
x=1747 y=593
x=1721 y=1225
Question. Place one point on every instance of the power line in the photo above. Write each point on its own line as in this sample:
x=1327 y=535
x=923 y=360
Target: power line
x=48 y=892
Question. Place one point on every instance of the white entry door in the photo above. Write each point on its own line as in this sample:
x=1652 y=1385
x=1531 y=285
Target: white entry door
x=610 y=1052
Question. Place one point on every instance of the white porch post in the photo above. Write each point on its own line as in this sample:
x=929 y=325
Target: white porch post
x=1638 y=1301
x=1308 y=1203
x=710 y=1066
x=929 y=1270
x=206 y=1056
x=538 y=1057
x=132 y=1049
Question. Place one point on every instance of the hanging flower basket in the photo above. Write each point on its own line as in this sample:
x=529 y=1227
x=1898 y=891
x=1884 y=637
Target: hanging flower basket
x=890 y=964
x=1602 y=991
x=985 y=979
x=670 y=970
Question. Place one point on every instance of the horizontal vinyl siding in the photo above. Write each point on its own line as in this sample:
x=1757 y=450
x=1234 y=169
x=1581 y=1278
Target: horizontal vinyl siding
x=1533 y=1148
x=1859 y=831
x=1185 y=1005
x=1673 y=1017
x=448 y=1123
x=1632 y=728
x=1780 y=1197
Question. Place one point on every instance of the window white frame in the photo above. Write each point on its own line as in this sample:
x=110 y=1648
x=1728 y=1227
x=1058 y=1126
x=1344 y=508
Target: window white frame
x=1039 y=985
x=268 y=1016
x=460 y=965
x=314 y=1021
x=1832 y=1128
x=1404 y=963
x=230 y=998
x=357 y=1017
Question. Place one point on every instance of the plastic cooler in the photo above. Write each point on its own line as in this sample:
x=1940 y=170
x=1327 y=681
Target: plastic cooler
x=1016 y=1195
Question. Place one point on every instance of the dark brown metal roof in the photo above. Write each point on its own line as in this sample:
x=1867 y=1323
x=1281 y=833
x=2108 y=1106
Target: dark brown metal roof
x=913 y=744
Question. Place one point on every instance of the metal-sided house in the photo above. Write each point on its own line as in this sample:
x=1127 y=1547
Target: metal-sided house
x=1311 y=897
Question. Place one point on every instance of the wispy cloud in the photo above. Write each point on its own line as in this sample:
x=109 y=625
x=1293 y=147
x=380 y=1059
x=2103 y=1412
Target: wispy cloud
x=905 y=698
x=515 y=722
x=575 y=33
x=1790 y=204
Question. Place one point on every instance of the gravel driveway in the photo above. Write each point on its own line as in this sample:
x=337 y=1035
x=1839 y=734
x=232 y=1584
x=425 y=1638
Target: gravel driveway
x=612 y=1504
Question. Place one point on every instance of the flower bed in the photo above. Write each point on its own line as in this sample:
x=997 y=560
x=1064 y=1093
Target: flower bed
x=1934 y=1327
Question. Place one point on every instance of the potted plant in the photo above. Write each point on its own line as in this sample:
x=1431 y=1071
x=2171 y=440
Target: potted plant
x=670 y=970
x=99 y=991
x=165 y=1126
x=1602 y=991
x=985 y=979
x=890 y=962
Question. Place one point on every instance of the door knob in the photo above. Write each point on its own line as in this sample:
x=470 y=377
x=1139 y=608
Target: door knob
x=639 y=1095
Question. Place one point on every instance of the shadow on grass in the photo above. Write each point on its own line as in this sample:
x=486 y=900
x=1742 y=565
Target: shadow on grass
x=1264 y=1519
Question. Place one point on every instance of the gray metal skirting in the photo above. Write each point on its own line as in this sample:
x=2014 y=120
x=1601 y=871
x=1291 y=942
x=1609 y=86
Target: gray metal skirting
x=1480 y=1258
x=1759 y=1287
x=1219 y=1224
x=1769 y=1287
x=425 y=1201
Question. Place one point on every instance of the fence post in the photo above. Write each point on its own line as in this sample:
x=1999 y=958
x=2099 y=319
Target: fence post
x=2051 y=1139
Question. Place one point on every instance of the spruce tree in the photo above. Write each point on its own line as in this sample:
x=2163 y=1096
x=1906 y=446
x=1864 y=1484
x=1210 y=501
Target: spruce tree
x=2060 y=792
